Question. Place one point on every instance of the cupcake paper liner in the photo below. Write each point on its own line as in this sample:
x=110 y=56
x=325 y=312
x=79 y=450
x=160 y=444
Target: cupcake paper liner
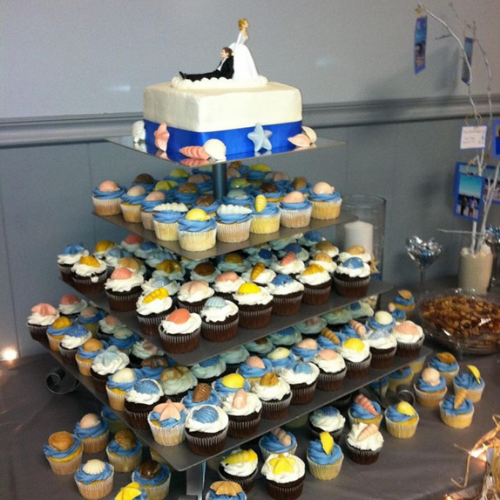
x=383 y=358
x=331 y=381
x=272 y=410
x=116 y=399
x=265 y=224
x=429 y=399
x=136 y=418
x=352 y=289
x=95 y=444
x=295 y=218
x=473 y=394
x=362 y=457
x=124 y=463
x=317 y=295
x=242 y=426
x=197 y=242
x=99 y=381
x=177 y=344
x=106 y=207
x=68 y=356
x=325 y=472
x=54 y=342
x=358 y=370
x=84 y=366
x=233 y=233
x=253 y=319
x=97 y=490
x=325 y=210
x=123 y=302
x=66 y=467
x=87 y=286
x=246 y=483
x=284 y=305
x=302 y=394
x=147 y=220
x=401 y=430
x=131 y=213
x=166 y=231
x=38 y=332
x=192 y=307
x=158 y=492
x=66 y=275
x=456 y=421
x=406 y=350
x=285 y=491
x=150 y=324
x=220 y=331
x=206 y=444
x=171 y=436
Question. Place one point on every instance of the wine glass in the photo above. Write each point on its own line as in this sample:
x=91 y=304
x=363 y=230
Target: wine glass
x=423 y=253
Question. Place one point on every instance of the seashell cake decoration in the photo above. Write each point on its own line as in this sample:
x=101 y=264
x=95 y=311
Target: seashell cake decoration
x=365 y=403
x=368 y=431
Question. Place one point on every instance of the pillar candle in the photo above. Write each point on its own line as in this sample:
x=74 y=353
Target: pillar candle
x=359 y=233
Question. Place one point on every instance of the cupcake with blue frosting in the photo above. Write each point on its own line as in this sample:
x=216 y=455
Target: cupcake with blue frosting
x=56 y=331
x=430 y=388
x=206 y=430
x=202 y=394
x=166 y=218
x=402 y=376
x=106 y=198
x=131 y=203
x=230 y=384
x=72 y=340
x=63 y=452
x=364 y=410
x=94 y=479
x=69 y=256
x=326 y=201
x=119 y=384
x=233 y=223
x=124 y=452
x=472 y=382
x=86 y=354
x=446 y=364
x=352 y=278
x=401 y=420
x=263 y=255
x=295 y=210
x=324 y=457
x=148 y=206
x=166 y=422
x=197 y=231
x=209 y=370
x=277 y=441
x=124 y=339
x=281 y=357
x=237 y=197
x=457 y=411
x=286 y=337
x=254 y=368
x=305 y=350
x=310 y=238
x=154 y=478
x=260 y=347
x=93 y=432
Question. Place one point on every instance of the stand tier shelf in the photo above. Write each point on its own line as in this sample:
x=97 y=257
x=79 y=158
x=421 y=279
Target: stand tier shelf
x=208 y=349
x=181 y=458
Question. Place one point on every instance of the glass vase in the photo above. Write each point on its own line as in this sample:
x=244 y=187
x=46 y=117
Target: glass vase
x=474 y=267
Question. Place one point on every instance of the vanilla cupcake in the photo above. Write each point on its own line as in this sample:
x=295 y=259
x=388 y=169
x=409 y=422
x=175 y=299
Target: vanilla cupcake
x=63 y=452
x=446 y=364
x=401 y=420
x=364 y=410
x=94 y=479
x=326 y=201
x=295 y=210
x=265 y=216
x=119 y=384
x=278 y=441
x=166 y=422
x=93 y=432
x=106 y=198
x=86 y=354
x=124 y=452
x=233 y=223
x=472 y=382
x=131 y=203
x=197 y=231
x=324 y=457
x=430 y=388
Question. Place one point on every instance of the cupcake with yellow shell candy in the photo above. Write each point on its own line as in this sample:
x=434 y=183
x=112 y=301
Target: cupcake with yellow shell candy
x=240 y=467
x=259 y=275
x=285 y=476
x=446 y=364
x=89 y=275
x=197 y=231
x=225 y=490
x=132 y=491
x=472 y=382
x=102 y=248
x=324 y=457
x=317 y=285
x=63 y=452
x=152 y=308
x=265 y=216
x=401 y=420
x=56 y=332
x=457 y=411
x=357 y=357
x=255 y=306
x=405 y=301
x=94 y=479
x=326 y=201
x=275 y=394
x=430 y=388
x=124 y=452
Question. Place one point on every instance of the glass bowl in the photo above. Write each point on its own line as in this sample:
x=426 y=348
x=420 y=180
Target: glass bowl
x=466 y=323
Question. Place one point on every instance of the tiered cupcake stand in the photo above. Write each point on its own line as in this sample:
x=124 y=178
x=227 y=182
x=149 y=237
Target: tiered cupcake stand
x=179 y=457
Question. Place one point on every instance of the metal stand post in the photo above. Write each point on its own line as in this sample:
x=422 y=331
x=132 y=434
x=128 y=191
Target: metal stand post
x=195 y=481
x=219 y=179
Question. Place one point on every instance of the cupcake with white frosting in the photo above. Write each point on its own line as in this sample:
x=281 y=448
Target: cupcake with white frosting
x=240 y=467
x=287 y=295
x=332 y=369
x=302 y=377
x=152 y=308
x=140 y=400
x=259 y=275
x=364 y=443
x=255 y=306
x=327 y=419
x=285 y=476
x=106 y=363
x=193 y=295
x=383 y=347
x=227 y=283
x=317 y=285
x=275 y=394
x=176 y=381
x=219 y=319
x=410 y=338
x=244 y=410
x=357 y=357
x=209 y=370
x=180 y=331
x=89 y=274
x=352 y=278
x=289 y=264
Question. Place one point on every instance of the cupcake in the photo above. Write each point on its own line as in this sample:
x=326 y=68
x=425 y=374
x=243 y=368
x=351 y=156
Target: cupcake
x=176 y=382
x=311 y=327
x=310 y=238
x=287 y=295
x=226 y=284
x=142 y=350
x=159 y=281
x=324 y=457
x=361 y=310
x=132 y=490
x=154 y=478
x=366 y=411
x=123 y=338
x=202 y=394
x=41 y=317
x=352 y=278
x=305 y=350
x=107 y=326
x=447 y=366
x=255 y=306
x=115 y=423
x=265 y=216
x=398 y=314
x=124 y=452
x=327 y=419
x=106 y=363
x=56 y=331
x=89 y=318
x=289 y=265
x=63 y=452
x=89 y=275
x=233 y=223
x=234 y=357
x=152 y=308
x=209 y=370
x=383 y=347
x=206 y=430
x=332 y=370
x=325 y=261
x=281 y=357
x=338 y=318
x=94 y=479
x=106 y=198
x=123 y=288
x=177 y=175
x=74 y=338
x=172 y=271
x=180 y=331
x=286 y=337
x=302 y=378
x=166 y=422
x=430 y=388
x=327 y=247
x=330 y=340
x=410 y=338
x=230 y=384
x=93 y=432
x=254 y=368
x=219 y=320
x=259 y=275
x=119 y=384
x=401 y=420
x=197 y=231
x=357 y=357
x=71 y=306
x=140 y=400
x=403 y=376
x=457 y=411
x=113 y=256
x=277 y=441
x=326 y=202
x=225 y=490
x=233 y=261
x=86 y=354
x=240 y=467
x=285 y=476
x=166 y=220
x=364 y=443
x=69 y=256
x=405 y=301
x=381 y=320
x=193 y=295
x=275 y=394
x=260 y=347
x=317 y=285
x=148 y=207
x=131 y=203
x=244 y=410
x=300 y=252
x=295 y=210
x=471 y=381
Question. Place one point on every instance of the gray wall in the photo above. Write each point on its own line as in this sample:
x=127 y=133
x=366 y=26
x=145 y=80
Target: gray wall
x=45 y=195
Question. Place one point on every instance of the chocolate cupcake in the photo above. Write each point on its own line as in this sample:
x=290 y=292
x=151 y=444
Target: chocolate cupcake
x=206 y=430
x=152 y=309
x=219 y=320
x=193 y=295
x=352 y=278
x=244 y=410
x=180 y=331
x=317 y=285
x=140 y=400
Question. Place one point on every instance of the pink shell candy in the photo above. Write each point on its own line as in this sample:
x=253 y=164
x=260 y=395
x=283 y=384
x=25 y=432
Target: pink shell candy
x=136 y=191
x=240 y=399
x=155 y=196
x=111 y=320
x=179 y=316
x=133 y=239
x=288 y=258
x=196 y=152
x=226 y=276
x=283 y=436
x=44 y=309
x=255 y=362
x=194 y=286
x=407 y=328
x=69 y=299
x=359 y=328
x=193 y=162
x=108 y=186
x=88 y=312
x=294 y=197
x=122 y=273
x=328 y=354
x=300 y=140
x=232 y=173
x=308 y=344
x=323 y=188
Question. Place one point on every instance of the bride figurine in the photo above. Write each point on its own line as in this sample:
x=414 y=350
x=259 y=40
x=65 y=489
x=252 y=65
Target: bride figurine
x=244 y=67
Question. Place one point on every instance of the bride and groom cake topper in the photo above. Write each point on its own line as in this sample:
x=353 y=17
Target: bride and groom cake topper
x=237 y=62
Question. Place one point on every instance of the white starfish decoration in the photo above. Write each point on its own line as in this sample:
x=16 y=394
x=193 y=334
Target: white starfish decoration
x=260 y=138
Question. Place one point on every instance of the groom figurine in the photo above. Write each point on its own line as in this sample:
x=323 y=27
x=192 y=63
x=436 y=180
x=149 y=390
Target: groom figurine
x=224 y=70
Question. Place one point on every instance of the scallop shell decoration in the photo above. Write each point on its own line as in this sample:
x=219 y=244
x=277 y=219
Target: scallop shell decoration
x=201 y=393
x=359 y=328
x=260 y=203
x=248 y=288
x=89 y=260
x=446 y=358
x=365 y=403
x=158 y=294
x=196 y=152
x=233 y=258
x=313 y=137
x=255 y=362
x=308 y=344
x=354 y=344
x=138 y=131
x=216 y=149
x=194 y=286
x=257 y=270
x=356 y=250
x=405 y=294
x=126 y=439
x=94 y=467
x=179 y=316
x=313 y=269
x=61 y=441
x=169 y=266
x=269 y=380
x=430 y=376
x=283 y=437
x=130 y=263
x=44 y=309
x=89 y=420
x=122 y=273
x=327 y=333
x=240 y=399
x=226 y=488
x=328 y=354
x=215 y=302
x=171 y=374
x=368 y=431
x=407 y=328
x=300 y=140
x=170 y=410
x=460 y=397
x=241 y=456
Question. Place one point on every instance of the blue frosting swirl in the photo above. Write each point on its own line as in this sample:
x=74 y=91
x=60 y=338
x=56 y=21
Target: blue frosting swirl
x=197 y=226
x=447 y=405
x=83 y=477
x=150 y=205
x=53 y=453
x=442 y=367
x=214 y=400
x=467 y=381
x=124 y=344
x=425 y=387
x=148 y=246
x=404 y=302
x=160 y=478
x=97 y=430
x=313 y=236
x=318 y=455
x=325 y=343
x=282 y=363
x=248 y=371
x=372 y=324
x=349 y=332
x=83 y=354
x=115 y=448
x=168 y=216
x=237 y=197
x=56 y=332
x=125 y=386
x=271 y=443
x=106 y=195
x=331 y=198
x=211 y=208
x=398 y=314
x=186 y=198
x=296 y=206
x=150 y=372
x=205 y=415
x=233 y=218
x=282 y=280
x=210 y=361
x=77 y=331
x=73 y=249
x=213 y=496
x=357 y=411
x=154 y=416
x=118 y=253
x=225 y=391
x=292 y=247
x=269 y=209
x=274 y=196
x=305 y=354
x=146 y=386
x=329 y=411
x=396 y=416
x=108 y=413
x=133 y=200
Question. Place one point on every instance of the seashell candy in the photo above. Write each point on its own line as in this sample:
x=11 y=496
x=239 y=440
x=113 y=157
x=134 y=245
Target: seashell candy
x=129 y=492
x=179 y=316
x=169 y=410
x=283 y=464
x=94 y=467
x=328 y=354
x=61 y=322
x=197 y=214
x=356 y=250
x=313 y=137
x=255 y=362
x=66 y=300
x=204 y=269
x=446 y=357
x=283 y=436
x=300 y=140
x=269 y=379
x=126 y=439
x=233 y=381
x=139 y=131
x=354 y=344
x=405 y=294
x=108 y=186
x=288 y=258
x=149 y=469
x=169 y=266
x=233 y=258
x=226 y=488
x=257 y=269
x=323 y=257
x=383 y=317
x=294 y=197
x=89 y=260
x=299 y=183
x=201 y=393
x=93 y=345
x=407 y=328
x=240 y=456
x=460 y=397
x=158 y=294
x=327 y=442
x=240 y=399
x=359 y=328
x=405 y=408
x=248 y=288
x=188 y=188
x=215 y=302
x=308 y=344
x=129 y=263
x=61 y=441
x=365 y=403
x=89 y=420
x=327 y=333
x=323 y=188
x=193 y=287
x=313 y=269
x=45 y=309
x=226 y=276
x=475 y=373
x=136 y=191
x=155 y=361
x=155 y=196
x=216 y=149
x=172 y=373
x=260 y=203
x=197 y=152
x=122 y=273
x=430 y=376
x=368 y=431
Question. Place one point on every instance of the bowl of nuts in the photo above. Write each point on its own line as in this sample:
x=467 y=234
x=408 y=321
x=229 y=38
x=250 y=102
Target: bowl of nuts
x=464 y=322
